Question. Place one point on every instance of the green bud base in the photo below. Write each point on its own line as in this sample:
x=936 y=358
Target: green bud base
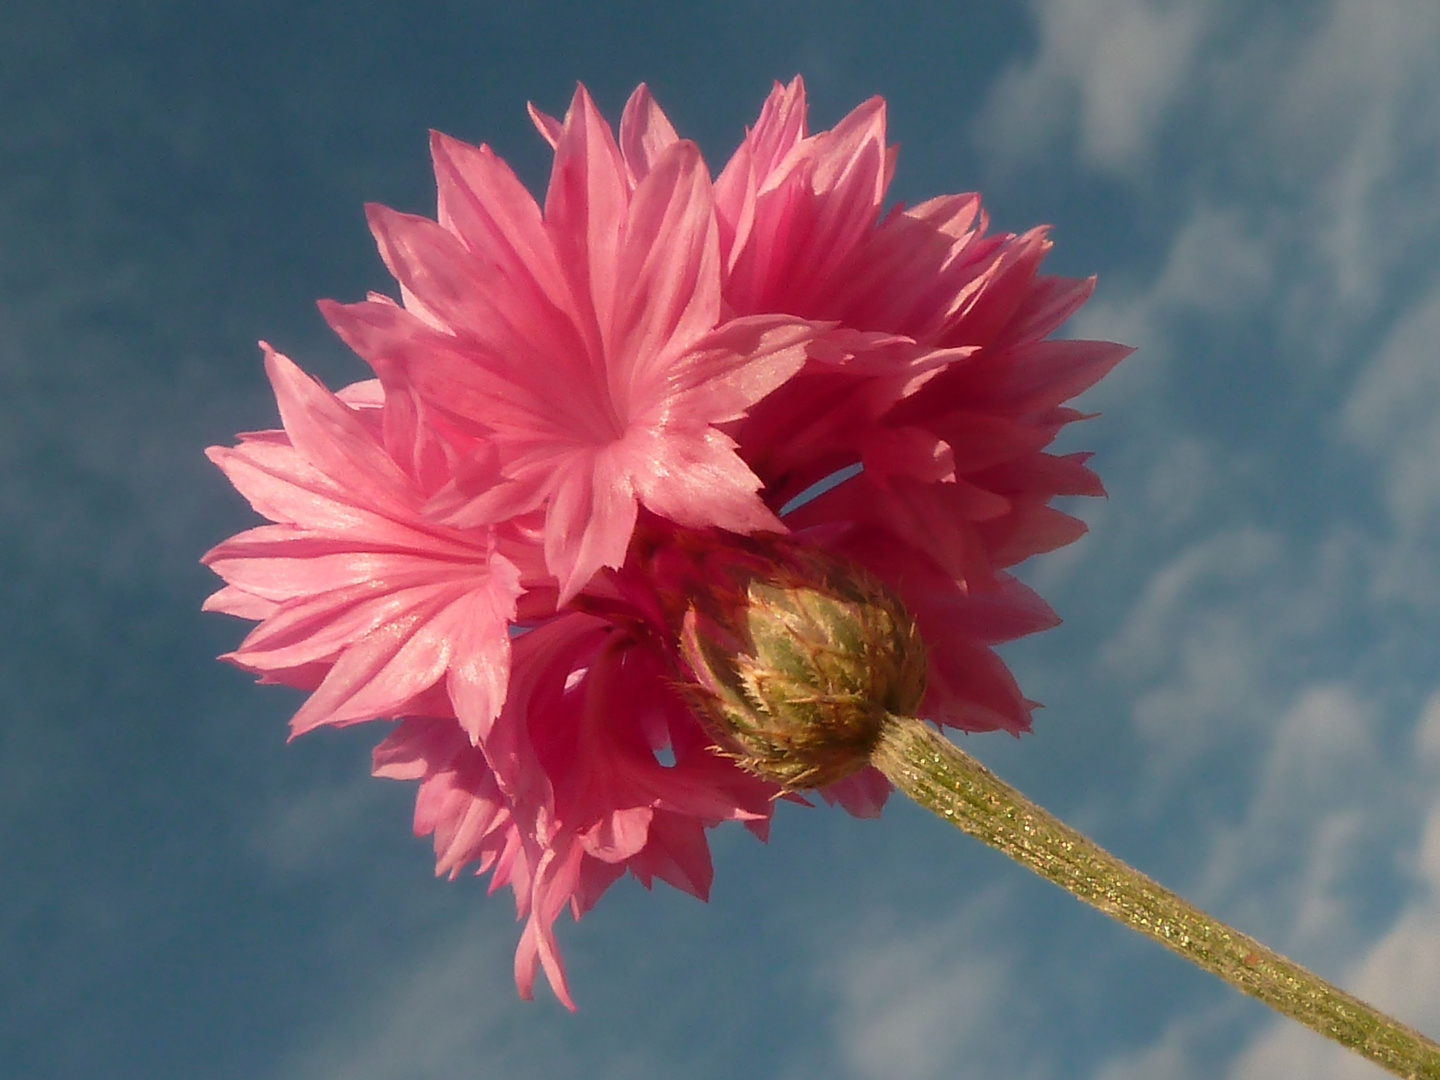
x=940 y=776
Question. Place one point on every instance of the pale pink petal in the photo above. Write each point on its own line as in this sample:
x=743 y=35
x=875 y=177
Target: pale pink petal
x=469 y=383
x=619 y=834
x=326 y=433
x=381 y=670
x=550 y=129
x=479 y=668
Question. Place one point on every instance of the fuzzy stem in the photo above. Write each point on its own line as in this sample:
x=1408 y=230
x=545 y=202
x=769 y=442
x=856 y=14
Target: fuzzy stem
x=941 y=777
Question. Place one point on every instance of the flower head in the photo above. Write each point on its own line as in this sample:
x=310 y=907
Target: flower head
x=584 y=480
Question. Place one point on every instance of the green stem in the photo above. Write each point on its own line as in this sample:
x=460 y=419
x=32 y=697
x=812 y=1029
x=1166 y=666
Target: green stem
x=940 y=776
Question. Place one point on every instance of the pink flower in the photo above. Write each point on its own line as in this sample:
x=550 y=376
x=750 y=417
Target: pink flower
x=949 y=407
x=361 y=599
x=580 y=414
x=585 y=343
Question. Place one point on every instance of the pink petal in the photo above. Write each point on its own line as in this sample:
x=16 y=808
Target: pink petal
x=696 y=479
x=550 y=129
x=667 y=279
x=328 y=436
x=863 y=794
x=589 y=520
x=232 y=600
x=780 y=127
x=645 y=133
x=585 y=211
x=732 y=368
x=483 y=203
x=555 y=879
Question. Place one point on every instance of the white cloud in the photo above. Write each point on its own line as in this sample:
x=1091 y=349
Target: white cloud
x=1325 y=798
x=1400 y=974
x=1175 y=592
x=1394 y=412
x=1109 y=68
x=915 y=1001
x=1289 y=868
x=440 y=1016
x=1219 y=266
x=308 y=831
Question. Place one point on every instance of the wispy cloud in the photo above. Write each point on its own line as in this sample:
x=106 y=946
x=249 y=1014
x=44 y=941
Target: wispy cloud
x=914 y=998
x=1106 y=71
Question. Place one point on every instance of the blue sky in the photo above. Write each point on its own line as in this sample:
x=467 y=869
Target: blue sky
x=1244 y=699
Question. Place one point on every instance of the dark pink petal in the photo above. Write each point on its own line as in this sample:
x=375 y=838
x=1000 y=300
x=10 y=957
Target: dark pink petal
x=677 y=853
x=906 y=451
x=863 y=794
x=1033 y=529
x=1052 y=300
x=970 y=688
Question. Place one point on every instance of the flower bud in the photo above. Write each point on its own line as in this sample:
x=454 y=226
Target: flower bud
x=795 y=671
